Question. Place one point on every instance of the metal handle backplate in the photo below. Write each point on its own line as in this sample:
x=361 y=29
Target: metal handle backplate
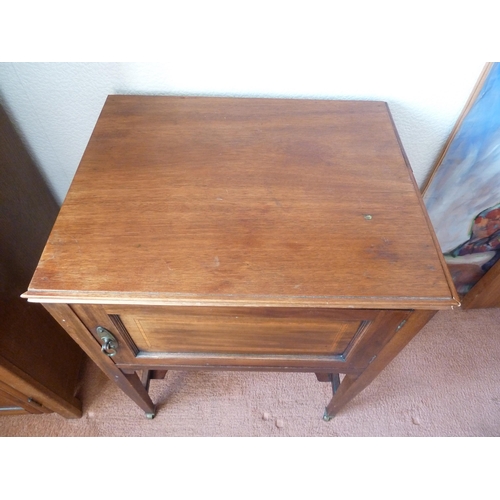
x=109 y=343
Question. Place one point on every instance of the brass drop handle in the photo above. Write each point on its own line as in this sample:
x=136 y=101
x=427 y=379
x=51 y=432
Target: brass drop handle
x=109 y=343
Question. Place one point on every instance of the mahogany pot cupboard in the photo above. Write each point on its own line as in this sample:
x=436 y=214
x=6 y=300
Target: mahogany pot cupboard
x=242 y=234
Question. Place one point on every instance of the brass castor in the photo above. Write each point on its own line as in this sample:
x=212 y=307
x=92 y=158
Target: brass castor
x=326 y=416
x=152 y=414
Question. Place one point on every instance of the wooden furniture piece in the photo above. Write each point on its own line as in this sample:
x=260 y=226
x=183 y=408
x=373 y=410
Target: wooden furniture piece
x=39 y=362
x=486 y=292
x=242 y=234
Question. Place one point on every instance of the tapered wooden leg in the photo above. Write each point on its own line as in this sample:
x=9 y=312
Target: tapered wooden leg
x=333 y=378
x=145 y=378
x=352 y=385
x=136 y=391
x=130 y=384
x=148 y=375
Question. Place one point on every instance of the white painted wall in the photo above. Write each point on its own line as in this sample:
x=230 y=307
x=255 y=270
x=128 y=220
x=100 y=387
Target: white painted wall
x=55 y=105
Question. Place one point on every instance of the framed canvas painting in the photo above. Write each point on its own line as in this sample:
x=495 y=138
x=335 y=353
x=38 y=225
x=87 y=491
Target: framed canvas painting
x=463 y=194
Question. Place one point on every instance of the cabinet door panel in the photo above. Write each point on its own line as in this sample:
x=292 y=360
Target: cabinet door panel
x=308 y=339
x=232 y=330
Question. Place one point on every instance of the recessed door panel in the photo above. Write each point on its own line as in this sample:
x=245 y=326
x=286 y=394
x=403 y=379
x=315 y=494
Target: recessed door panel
x=225 y=330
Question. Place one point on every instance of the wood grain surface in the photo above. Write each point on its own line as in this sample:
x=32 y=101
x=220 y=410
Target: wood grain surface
x=244 y=202
x=240 y=330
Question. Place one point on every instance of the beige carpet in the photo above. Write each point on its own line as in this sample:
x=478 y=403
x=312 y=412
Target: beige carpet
x=445 y=383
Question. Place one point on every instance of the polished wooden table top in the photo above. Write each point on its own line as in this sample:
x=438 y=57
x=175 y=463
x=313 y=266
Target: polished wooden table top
x=271 y=202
